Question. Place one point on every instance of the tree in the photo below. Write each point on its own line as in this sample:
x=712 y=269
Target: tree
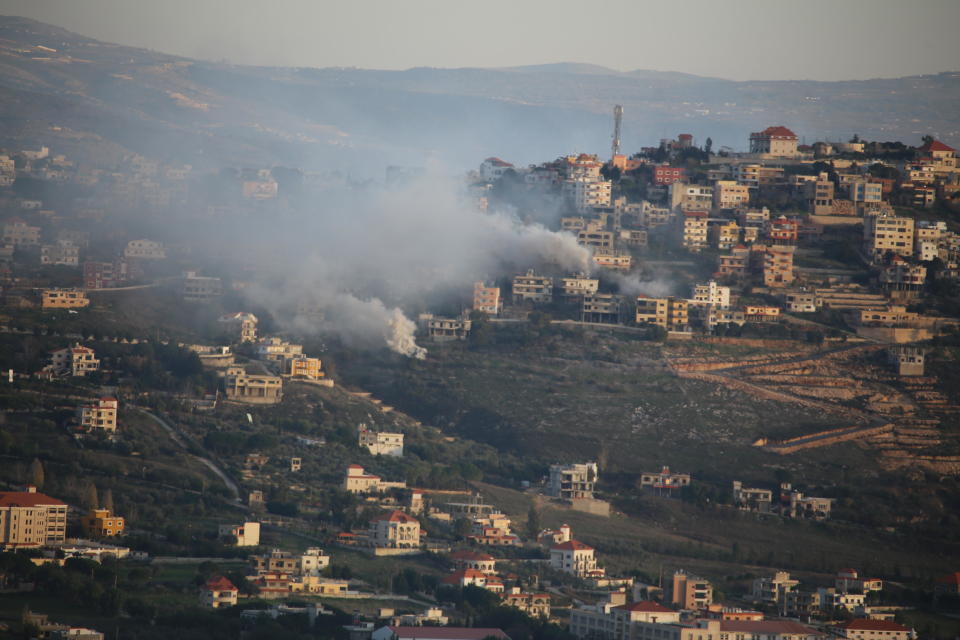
x=533 y=522
x=708 y=147
x=90 y=498
x=108 y=500
x=36 y=473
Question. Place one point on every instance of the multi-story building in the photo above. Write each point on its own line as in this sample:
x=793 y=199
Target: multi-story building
x=395 y=530
x=101 y=414
x=144 y=250
x=783 y=231
x=242 y=324
x=633 y=237
x=73 y=361
x=487 y=299
x=62 y=253
x=694 y=230
x=942 y=158
x=614 y=619
x=442 y=329
x=492 y=169
x=864 y=191
x=848 y=580
x=867 y=629
x=690 y=197
x=735 y=265
x=596 y=238
x=250 y=388
x=245 y=535
x=380 y=443
x=104 y=275
x=900 y=279
x=584 y=194
x=669 y=313
x=752 y=499
x=277 y=349
x=601 y=307
x=532 y=287
x=712 y=293
x=310 y=563
x=666 y=175
x=100 y=523
x=618 y=259
x=725 y=234
x=576 y=558
x=729 y=194
x=357 y=481
x=218 y=592
x=773 y=590
x=820 y=195
x=577 y=286
x=884 y=233
x=197 y=288
x=535 y=605
x=774 y=141
x=483 y=562
x=303 y=367
x=801 y=301
x=691 y=592
x=570 y=481
x=63 y=299
x=761 y=313
x=18 y=233
x=664 y=481
x=31 y=519
x=774 y=264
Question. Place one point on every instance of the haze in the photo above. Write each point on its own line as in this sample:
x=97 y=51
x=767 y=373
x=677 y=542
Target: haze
x=747 y=40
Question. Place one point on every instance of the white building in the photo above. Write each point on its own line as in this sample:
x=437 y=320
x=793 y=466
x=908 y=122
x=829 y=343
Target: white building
x=712 y=293
x=246 y=534
x=574 y=557
x=145 y=249
x=395 y=530
x=586 y=193
x=380 y=443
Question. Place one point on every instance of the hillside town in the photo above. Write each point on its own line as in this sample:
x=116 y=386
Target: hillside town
x=156 y=376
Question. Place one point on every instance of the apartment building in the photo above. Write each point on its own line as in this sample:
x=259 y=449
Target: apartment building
x=487 y=299
x=101 y=414
x=303 y=367
x=633 y=237
x=801 y=301
x=755 y=176
x=536 y=605
x=735 y=265
x=492 y=169
x=820 y=195
x=691 y=592
x=900 y=279
x=18 y=233
x=942 y=158
x=724 y=234
x=713 y=294
x=665 y=175
x=783 y=231
x=197 y=288
x=774 y=141
x=63 y=299
x=584 y=193
x=570 y=481
x=730 y=194
x=577 y=286
x=690 y=197
x=596 y=238
x=250 y=388
x=866 y=629
x=533 y=288
x=441 y=329
x=617 y=260
x=241 y=324
x=144 y=249
x=751 y=498
x=773 y=590
x=574 y=557
x=104 y=275
x=101 y=523
x=603 y=308
x=774 y=263
x=246 y=534
x=670 y=313
x=694 y=230
x=277 y=350
x=31 y=519
x=615 y=620
x=62 y=253
x=883 y=233
x=73 y=361
x=395 y=530
x=380 y=443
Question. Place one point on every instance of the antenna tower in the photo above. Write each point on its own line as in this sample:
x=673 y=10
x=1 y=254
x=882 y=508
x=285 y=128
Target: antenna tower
x=617 y=118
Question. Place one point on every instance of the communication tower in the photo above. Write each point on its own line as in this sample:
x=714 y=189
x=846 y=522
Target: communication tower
x=617 y=118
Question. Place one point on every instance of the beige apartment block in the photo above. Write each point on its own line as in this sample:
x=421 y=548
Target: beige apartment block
x=64 y=299
x=31 y=519
x=532 y=287
x=101 y=414
x=241 y=386
x=487 y=299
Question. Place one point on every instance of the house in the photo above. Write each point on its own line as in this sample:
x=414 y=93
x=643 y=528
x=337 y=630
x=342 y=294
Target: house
x=482 y=562
x=249 y=388
x=100 y=523
x=437 y=633
x=31 y=519
x=471 y=577
x=358 y=481
x=617 y=620
x=242 y=324
x=664 y=482
x=774 y=141
x=309 y=563
x=536 y=605
x=942 y=158
x=493 y=169
x=691 y=592
x=574 y=557
x=908 y=359
x=73 y=361
x=440 y=329
x=866 y=629
x=304 y=367
x=218 y=592
x=246 y=534
x=277 y=350
x=101 y=414
x=572 y=481
x=64 y=299
x=395 y=530
x=532 y=287
x=144 y=250
x=487 y=299
x=380 y=442
x=601 y=308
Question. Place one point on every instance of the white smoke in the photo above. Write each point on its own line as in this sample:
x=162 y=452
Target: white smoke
x=632 y=284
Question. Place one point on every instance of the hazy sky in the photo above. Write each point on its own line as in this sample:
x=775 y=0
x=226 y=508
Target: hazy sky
x=741 y=40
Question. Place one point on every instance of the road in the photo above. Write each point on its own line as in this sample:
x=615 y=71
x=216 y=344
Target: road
x=177 y=438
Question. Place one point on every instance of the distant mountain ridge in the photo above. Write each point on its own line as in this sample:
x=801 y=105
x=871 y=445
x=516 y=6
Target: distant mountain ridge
x=62 y=89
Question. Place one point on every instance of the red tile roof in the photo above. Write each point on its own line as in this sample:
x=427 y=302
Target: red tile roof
x=864 y=624
x=572 y=545
x=447 y=633
x=950 y=578
x=936 y=145
x=220 y=583
x=647 y=606
x=780 y=132
x=396 y=516
x=471 y=555
x=27 y=499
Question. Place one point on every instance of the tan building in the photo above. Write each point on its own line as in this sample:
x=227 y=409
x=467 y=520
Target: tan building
x=615 y=620
x=311 y=562
x=690 y=592
x=64 y=299
x=690 y=197
x=774 y=141
x=941 y=157
x=669 y=313
x=73 y=361
x=101 y=414
x=241 y=324
x=277 y=350
x=713 y=294
x=774 y=263
x=724 y=235
x=601 y=308
x=695 y=230
x=482 y=562
x=19 y=233
x=241 y=386
x=576 y=558
x=866 y=629
x=617 y=260
x=31 y=519
x=596 y=238
x=395 y=530
x=246 y=534
x=577 y=286
x=144 y=250
x=820 y=195
x=487 y=299
x=218 y=592
x=62 y=253
x=570 y=481
x=536 y=605
x=100 y=523
x=303 y=367
x=729 y=194
x=532 y=287
x=358 y=481
x=380 y=442
x=586 y=193
x=884 y=233
x=664 y=481
x=442 y=329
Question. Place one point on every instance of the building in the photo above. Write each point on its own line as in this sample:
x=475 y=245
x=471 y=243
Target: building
x=440 y=329
x=482 y=562
x=618 y=260
x=532 y=287
x=380 y=443
x=249 y=388
x=62 y=253
x=758 y=175
x=572 y=481
x=101 y=414
x=713 y=294
x=358 y=481
x=31 y=519
x=866 y=629
x=664 y=175
x=493 y=169
x=246 y=534
x=487 y=299
x=144 y=250
x=218 y=592
x=801 y=302
x=773 y=590
x=241 y=324
x=949 y=583
x=438 y=633
x=577 y=286
x=729 y=194
x=197 y=288
x=596 y=238
x=64 y=299
x=584 y=194
x=820 y=195
x=574 y=557
x=18 y=233
x=664 y=481
x=105 y=275
x=303 y=367
x=901 y=280
x=670 y=313
x=690 y=197
x=73 y=361
x=395 y=530
x=311 y=562
x=848 y=580
x=724 y=235
x=472 y=578
x=536 y=605
x=100 y=523
x=942 y=158
x=616 y=620
x=774 y=263
x=774 y=141
x=695 y=230
x=691 y=592
x=883 y=233
x=783 y=231
x=277 y=350
x=602 y=308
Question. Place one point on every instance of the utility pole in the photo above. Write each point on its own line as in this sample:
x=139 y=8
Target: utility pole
x=617 y=119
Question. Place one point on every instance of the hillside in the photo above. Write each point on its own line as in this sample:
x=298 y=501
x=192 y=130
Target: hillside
x=59 y=88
